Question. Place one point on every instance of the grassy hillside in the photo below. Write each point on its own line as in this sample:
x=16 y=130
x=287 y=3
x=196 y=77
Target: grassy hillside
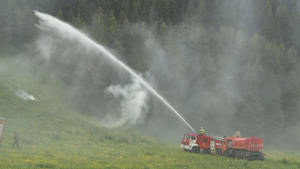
x=54 y=136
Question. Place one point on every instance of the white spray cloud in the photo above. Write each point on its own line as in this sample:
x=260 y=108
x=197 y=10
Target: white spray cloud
x=133 y=105
x=24 y=95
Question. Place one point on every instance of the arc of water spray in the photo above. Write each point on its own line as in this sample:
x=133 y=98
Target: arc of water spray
x=57 y=24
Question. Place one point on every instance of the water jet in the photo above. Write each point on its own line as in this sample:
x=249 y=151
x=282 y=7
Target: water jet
x=51 y=24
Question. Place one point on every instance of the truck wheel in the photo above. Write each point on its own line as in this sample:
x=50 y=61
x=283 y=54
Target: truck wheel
x=195 y=150
x=239 y=155
x=236 y=154
x=242 y=155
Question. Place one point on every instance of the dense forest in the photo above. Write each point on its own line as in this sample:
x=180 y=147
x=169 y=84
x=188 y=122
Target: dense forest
x=232 y=63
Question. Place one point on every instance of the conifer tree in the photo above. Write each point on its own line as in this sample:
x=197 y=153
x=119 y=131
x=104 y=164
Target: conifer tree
x=60 y=14
x=98 y=26
x=145 y=13
x=137 y=7
x=268 y=24
x=202 y=13
x=190 y=11
x=78 y=21
x=123 y=20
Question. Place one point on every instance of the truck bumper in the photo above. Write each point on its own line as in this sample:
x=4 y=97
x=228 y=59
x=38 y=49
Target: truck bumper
x=187 y=147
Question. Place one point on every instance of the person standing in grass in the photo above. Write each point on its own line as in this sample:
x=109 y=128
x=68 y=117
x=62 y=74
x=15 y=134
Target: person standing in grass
x=16 y=140
x=213 y=150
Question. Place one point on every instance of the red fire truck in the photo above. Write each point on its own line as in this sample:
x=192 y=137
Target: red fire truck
x=237 y=147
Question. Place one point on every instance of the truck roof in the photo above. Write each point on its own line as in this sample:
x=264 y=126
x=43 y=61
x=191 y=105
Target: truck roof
x=191 y=133
x=217 y=138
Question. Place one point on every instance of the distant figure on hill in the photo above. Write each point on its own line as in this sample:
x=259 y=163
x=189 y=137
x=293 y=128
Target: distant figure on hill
x=16 y=140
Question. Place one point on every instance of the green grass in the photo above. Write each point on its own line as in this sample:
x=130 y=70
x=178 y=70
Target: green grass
x=53 y=136
x=86 y=153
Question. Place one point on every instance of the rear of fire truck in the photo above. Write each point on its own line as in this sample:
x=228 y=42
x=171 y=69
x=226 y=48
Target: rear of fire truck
x=244 y=148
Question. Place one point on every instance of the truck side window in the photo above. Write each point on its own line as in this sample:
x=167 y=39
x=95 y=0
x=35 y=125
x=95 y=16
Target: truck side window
x=205 y=140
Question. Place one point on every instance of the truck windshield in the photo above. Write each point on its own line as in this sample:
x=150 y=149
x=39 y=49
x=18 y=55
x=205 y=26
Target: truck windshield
x=186 y=136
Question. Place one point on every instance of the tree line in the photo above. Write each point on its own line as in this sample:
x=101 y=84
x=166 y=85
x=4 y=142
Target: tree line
x=276 y=19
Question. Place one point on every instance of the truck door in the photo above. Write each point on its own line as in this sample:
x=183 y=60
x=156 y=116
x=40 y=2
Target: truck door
x=192 y=140
x=205 y=144
x=229 y=143
x=212 y=143
x=185 y=140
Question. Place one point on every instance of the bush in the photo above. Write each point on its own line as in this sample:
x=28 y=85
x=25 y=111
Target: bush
x=284 y=161
x=29 y=141
x=123 y=140
x=42 y=165
x=48 y=154
x=55 y=137
x=108 y=136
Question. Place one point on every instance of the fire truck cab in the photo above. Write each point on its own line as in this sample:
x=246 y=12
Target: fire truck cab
x=196 y=143
x=185 y=142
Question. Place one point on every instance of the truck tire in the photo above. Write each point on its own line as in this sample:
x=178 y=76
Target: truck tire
x=195 y=149
x=219 y=152
x=235 y=155
x=243 y=155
